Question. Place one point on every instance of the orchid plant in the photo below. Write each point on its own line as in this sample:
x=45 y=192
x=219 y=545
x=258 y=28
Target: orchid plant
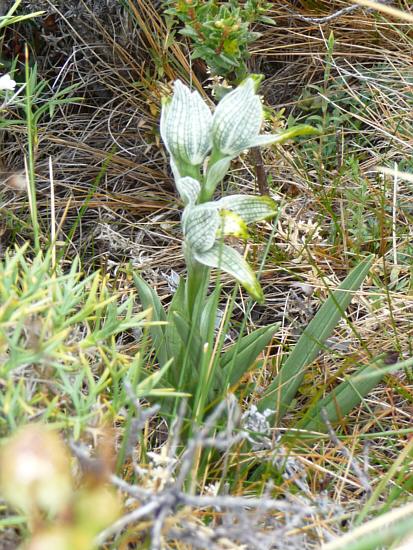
x=188 y=348
x=201 y=145
x=191 y=133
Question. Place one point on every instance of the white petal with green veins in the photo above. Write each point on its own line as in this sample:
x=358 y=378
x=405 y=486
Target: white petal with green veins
x=250 y=207
x=237 y=119
x=200 y=224
x=186 y=126
x=229 y=260
x=188 y=189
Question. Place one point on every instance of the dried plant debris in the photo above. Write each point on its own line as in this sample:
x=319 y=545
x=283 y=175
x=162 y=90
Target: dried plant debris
x=161 y=502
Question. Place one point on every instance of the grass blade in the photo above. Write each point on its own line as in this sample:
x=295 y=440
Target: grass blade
x=172 y=337
x=347 y=395
x=239 y=358
x=283 y=389
x=149 y=299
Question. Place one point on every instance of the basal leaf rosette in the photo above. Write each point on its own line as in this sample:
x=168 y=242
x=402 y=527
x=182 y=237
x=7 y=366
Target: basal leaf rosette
x=205 y=225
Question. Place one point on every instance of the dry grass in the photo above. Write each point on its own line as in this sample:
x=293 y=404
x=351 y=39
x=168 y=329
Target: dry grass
x=115 y=201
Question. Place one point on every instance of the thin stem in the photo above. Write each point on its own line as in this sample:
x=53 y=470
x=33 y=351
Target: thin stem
x=196 y=286
x=31 y=140
x=207 y=191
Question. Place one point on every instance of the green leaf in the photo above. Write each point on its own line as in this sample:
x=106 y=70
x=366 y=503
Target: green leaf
x=152 y=381
x=189 y=31
x=345 y=397
x=285 y=135
x=190 y=338
x=383 y=531
x=250 y=207
x=228 y=61
x=283 y=389
x=172 y=338
x=236 y=361
x=229 y=260
x=267 y=20
x=149 y=299
x=209 y=310
x=216 y=173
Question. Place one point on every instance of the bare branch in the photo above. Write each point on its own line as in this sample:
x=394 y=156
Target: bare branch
x=323 y=20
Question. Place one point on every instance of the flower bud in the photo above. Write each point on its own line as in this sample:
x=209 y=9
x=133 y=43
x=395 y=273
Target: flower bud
x=186 y=126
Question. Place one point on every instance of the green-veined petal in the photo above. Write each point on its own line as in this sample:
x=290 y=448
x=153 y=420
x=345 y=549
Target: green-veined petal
x=229 y=260
x=237 y=119
x=250 y=207
x=186 y=126
x=200 y=224
x=188 y=189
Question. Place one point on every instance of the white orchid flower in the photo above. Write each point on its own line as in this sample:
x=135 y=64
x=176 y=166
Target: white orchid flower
x=186 y=126
x=7 y=83
x=237 y=122
x=204 y=225
x=190 y=134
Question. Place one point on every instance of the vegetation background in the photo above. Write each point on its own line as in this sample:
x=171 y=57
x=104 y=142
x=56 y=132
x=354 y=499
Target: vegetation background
x=98 y=203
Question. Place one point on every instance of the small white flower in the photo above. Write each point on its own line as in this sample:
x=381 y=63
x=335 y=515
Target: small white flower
x=258 y=427
x=186 y=126
x=212 y=489
x=162 y=458
x=7 y=83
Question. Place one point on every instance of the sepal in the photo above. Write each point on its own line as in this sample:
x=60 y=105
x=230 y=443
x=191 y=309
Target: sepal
x=229 y=260
x=200 y=225
x=186 y=126
x=188 y=189
x=237 y=118
x=249 y=207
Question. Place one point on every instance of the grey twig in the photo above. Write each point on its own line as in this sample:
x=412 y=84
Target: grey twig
x=133 y=490
x=332 y=16
x=142 y=414
x=241 y=503
x=327 y=18
x=128 y=519
x=161 y=504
